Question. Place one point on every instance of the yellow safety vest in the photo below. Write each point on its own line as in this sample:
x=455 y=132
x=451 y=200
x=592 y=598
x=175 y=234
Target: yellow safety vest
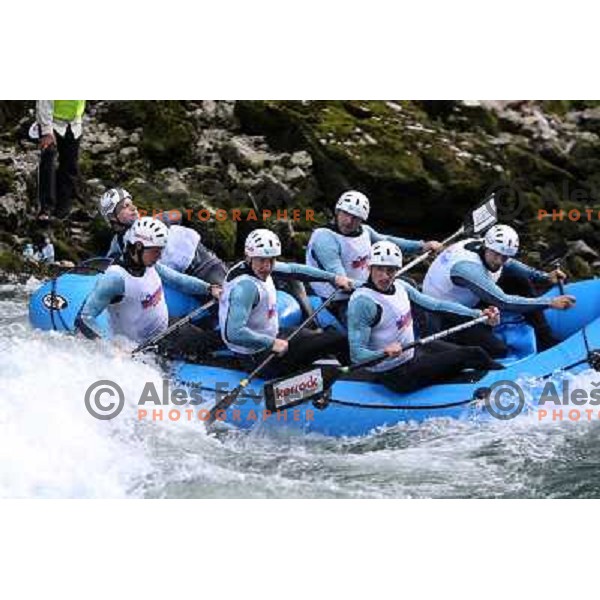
x=68 y=110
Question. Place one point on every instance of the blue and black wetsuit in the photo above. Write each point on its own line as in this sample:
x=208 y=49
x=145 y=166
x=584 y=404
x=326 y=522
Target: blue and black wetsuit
x=249 y=322
x=460 y=273
x=377 y=319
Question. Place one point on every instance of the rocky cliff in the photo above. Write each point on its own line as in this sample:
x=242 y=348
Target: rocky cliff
x=424 y=164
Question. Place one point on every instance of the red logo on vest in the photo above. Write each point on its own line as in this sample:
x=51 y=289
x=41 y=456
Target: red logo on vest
x=361 y=262
x=271 y=312
x=404 y=321
x=152 y=299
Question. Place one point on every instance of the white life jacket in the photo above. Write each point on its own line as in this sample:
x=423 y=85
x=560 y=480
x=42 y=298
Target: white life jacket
x=395 y=324
x=354 y=254
x=438 y=283
x=263 y=319
x=181 y=248
x=142 y=313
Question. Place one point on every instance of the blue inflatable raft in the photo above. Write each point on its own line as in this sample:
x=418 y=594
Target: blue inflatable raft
x=353 y=406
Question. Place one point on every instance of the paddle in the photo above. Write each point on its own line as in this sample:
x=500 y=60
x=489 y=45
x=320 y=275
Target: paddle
x=421 y=342
x=230 y=398
x=177 y=325
x=561 y=286
x=481 y=219
x=286 y=392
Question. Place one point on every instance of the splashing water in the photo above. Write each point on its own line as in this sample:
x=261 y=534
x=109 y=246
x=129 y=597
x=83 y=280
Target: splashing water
x=50 y=446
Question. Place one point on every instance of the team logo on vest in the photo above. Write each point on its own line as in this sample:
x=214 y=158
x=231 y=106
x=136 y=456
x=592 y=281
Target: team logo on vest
x=360 y=262
x=152 y=299
x=445 y=257
x=271 y=312
x=404 y=321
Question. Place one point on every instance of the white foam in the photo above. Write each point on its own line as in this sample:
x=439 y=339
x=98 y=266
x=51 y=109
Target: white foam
x=50 y=446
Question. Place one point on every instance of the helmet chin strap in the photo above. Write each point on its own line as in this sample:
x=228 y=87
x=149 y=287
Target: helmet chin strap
x=482 y=256
x=117 y=226
x=133 y=260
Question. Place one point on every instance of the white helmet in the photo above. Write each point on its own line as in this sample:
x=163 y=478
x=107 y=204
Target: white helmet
x=355 y=203
x=262 y=243
x=385 y=254
x=502 y=239
x=152 y=233
x=109 y=200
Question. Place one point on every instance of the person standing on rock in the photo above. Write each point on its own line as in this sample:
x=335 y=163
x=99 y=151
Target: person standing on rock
x=60 y=129
x=343 y=247
x=473 y=271
x=184 y=251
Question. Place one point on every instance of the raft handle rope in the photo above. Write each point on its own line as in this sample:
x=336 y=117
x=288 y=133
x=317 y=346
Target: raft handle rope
x=593 y=356
x=406 y=406
x=86 y=265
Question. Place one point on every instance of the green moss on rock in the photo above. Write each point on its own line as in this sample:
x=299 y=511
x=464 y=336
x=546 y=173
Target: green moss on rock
x=167 y=137
x=7 y=180
x=65 y=251
x=11 y=262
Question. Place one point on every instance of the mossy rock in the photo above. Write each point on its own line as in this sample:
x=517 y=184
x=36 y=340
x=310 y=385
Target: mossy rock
x=562 y=107
x=7 y=180
x=219 y=236
x=579 y=267
x=12 y=111
x=66 y=251
x=460 y=116
x=101 y=236
x=535 y=169
x=167 y=138
x=296 y=249
x=394 y=152
x=11 y=262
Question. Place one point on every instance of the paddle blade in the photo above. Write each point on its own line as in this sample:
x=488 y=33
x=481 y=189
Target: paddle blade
x=291 y=390
x=483 y=217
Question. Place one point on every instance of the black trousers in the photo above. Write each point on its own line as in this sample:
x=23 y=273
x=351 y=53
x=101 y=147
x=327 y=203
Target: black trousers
x=193 y=344
x=515 y=284
x=433 y=363
x=339 y=309
x=480 y=335
x=483 y=336
x=59 y=186
x=207 y=266
x=190 y=343
x=303 y=350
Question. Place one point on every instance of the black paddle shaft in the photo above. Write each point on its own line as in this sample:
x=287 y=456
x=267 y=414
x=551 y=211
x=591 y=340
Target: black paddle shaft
x=230 y=398
x=422 y=342
x=177 y=325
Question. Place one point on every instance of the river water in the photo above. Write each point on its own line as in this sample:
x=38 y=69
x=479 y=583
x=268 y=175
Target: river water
x=50 y=446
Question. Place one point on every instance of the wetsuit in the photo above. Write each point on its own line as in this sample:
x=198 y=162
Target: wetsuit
x=377 y=319
x=134 y=299
x=330 y=250
x=184 y=252
x=459 y=274
x=249 y=321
